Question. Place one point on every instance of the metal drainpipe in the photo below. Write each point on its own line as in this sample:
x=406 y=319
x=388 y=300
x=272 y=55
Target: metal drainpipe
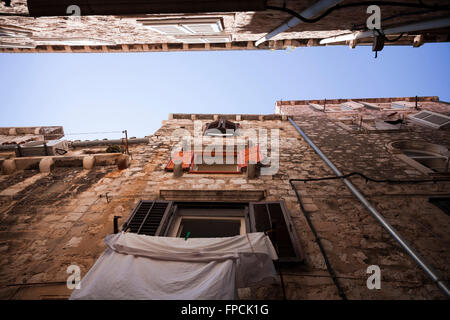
x=433 y=274
x=309 y=13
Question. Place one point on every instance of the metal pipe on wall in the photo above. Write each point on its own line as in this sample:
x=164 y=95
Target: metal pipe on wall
x=418 y=26
x=433 y=274
x=309 y=13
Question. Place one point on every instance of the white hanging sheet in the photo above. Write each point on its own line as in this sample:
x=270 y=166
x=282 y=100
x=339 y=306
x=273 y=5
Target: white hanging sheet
x=166 y=268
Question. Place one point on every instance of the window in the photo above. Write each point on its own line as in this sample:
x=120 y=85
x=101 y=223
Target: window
x=371 y=124
x=396 y=105
x=434 y=161
x=426 y=157
x=431 y=119
x=207 y=227
x=351 y=105
x=217 y=219
x=200 y=166
x=221 y=128
x=219 y=162
x=402 y=105
x=175 y=27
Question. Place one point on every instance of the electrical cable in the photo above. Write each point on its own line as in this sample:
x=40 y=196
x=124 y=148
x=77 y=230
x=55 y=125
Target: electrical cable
x=371 y=179
x=381 y=34
x=420 y=5
x=291 y=181
x=313 y=230
x=395 y=16
x=330 y=269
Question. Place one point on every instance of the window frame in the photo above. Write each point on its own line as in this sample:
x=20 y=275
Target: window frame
x=174 y=229
x=242 y=210
x=243 y=158
x=224 y=154
x=434 y=151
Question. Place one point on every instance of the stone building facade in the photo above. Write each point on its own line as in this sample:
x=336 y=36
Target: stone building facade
x=57 y=218
x=29 y=26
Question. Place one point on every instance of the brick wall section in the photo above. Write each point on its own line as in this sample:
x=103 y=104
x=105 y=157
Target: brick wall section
x=61 y=219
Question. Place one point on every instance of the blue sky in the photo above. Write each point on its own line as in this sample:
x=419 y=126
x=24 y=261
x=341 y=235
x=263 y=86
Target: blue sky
x=135 y=91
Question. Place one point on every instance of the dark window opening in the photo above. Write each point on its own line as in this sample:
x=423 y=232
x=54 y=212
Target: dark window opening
x=208 y=228
x=433 y=161
x=442 y=203
x=221 y=128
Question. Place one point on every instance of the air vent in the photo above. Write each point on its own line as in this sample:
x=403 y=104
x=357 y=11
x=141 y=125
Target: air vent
x=431 y=119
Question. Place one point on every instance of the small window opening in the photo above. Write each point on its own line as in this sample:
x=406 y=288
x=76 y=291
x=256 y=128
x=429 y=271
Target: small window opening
x=209 y=228
x=221 y=128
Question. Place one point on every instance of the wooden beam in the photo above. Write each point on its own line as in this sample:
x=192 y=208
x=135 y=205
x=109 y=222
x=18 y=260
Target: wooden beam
x=312 y=43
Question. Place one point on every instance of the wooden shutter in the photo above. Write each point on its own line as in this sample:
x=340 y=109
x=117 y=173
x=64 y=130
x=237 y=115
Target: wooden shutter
x=149 y=218
x=251 y=153
x=273 y=218
x=431 y=119
x=186 y=157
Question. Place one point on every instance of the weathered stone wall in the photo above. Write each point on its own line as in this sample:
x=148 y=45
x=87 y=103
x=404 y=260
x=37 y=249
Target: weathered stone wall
x=62 y=217
x=243 y=26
